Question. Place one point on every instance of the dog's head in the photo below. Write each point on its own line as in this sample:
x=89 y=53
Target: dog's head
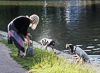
x=70 y=47
x=52 y=43
x=43 y=41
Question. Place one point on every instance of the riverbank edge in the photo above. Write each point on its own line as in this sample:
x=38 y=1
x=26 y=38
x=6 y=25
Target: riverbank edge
x=60 y=54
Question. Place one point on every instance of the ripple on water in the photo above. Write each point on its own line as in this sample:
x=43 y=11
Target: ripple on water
x=79 y=45
x=96 y=39
x=98 y=45
x=96 y=49
x=87 y=50
x=90 y=47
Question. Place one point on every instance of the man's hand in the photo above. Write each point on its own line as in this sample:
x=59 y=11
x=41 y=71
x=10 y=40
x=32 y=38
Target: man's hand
x=28 y=34
x=30 y=43
x=27 y=37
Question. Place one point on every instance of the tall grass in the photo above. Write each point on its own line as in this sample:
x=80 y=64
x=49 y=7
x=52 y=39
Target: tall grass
x=47 y=62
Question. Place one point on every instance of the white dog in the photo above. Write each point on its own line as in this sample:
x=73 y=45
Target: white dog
x=79 y=52
x=47 y=43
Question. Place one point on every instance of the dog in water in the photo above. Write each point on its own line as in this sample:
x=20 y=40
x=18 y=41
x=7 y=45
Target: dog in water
x=79 y=52
x=47 y=43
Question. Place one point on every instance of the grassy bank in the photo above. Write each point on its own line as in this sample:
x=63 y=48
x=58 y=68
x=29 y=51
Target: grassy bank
x=47 y=62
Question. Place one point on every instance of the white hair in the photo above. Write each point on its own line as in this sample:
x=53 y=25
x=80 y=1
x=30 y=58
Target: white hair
x=35 y=20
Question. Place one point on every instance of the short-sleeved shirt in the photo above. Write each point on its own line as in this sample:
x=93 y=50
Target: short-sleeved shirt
x=21 y=23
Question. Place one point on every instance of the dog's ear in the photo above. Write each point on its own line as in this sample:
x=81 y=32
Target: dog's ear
x=71 y=47
x=42 y=41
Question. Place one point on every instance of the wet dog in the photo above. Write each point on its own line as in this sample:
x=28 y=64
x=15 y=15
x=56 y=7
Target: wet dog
x=79 y=52
x=47 y=43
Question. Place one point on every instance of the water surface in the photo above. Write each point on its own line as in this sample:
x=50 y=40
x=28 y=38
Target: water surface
x=74 y=21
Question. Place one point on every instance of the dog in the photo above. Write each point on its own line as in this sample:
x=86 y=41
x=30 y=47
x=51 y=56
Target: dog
x=79 y=52
x=47 y=43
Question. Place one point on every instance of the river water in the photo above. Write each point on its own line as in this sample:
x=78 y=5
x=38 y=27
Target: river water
x=65 y=21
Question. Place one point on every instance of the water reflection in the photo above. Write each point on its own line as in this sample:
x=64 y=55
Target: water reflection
x=74 y=21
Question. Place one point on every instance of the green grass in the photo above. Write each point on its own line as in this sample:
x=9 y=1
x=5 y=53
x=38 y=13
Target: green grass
x=49 y=62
